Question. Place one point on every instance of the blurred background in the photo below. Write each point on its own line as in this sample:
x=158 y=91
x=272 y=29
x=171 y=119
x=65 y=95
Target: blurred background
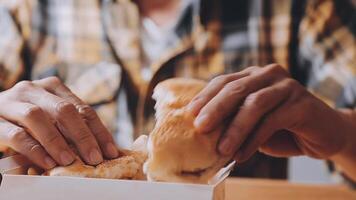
x=307 y=170
x=112 y=54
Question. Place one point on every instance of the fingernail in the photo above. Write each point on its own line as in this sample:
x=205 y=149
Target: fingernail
x=112 y=150
x=225 y=147
x=95 y=157
x=201 y=122
x=66 y=158
x=49 y=162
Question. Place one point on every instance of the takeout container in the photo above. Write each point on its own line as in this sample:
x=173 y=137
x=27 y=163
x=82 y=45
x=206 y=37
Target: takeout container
x=15 y=186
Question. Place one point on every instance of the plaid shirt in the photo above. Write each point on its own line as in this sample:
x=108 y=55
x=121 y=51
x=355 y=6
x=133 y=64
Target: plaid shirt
x=94 y=47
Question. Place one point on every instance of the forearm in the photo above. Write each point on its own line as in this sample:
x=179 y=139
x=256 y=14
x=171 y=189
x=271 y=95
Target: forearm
x=346 y=159
x=11 y=47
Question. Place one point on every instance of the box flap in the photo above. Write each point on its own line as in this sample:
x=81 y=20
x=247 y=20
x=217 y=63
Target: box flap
x=222 y=174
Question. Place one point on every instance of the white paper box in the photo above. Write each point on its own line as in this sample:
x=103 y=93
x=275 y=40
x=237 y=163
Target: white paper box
x=23 y=187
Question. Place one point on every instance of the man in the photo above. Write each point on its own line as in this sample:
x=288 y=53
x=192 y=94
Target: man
x=110 y=54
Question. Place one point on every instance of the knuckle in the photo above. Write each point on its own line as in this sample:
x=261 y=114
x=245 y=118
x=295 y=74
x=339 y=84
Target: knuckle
x=197 y=104
x=32 y=112
x=65 y=107
x=21 y=141
x=53 y=80
x=18 y=137
x=274 y=69
x=235 y=88
x=24 y=86
x=220 y=79
x=84 y=138
x=255 y=101
x=52 y=139
x=252 y=69
x=291 y=83
x=197 y=99
x=34 y=148
x=87 y=112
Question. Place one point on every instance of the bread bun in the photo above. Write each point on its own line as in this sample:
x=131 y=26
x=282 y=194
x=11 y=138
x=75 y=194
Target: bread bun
x=177 y=152
x=127 y=166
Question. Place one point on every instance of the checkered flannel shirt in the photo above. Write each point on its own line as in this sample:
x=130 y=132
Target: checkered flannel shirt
x=94 y=47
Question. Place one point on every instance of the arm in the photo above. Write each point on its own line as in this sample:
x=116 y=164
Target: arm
x=40 y=119
x=268 y=111
x=345 y=160
x=265 y=109
x=337 y=64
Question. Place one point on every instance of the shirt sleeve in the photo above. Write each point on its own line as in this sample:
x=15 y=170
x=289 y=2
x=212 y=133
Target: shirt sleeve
x=14 y=29
x=327 y=49
x=12 y=42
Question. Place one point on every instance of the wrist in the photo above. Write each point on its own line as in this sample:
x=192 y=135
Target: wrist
x=345 y=159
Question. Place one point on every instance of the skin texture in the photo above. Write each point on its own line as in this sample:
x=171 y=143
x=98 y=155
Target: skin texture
x=42 y=119
x=267 y=110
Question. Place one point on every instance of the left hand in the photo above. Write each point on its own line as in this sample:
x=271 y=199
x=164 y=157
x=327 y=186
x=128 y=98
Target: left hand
x=268 y=110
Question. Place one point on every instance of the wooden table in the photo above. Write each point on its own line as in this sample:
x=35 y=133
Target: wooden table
x=253 y=189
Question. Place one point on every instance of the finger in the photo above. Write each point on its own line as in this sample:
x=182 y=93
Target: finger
x=213 y=88
x=255 y=106
x=273 y=122
x=40 y=127
x=93 y=122
x=71 y=125
x=19 y=140
x=33 y=171
x=100 y=132
x=281 y=144
x=226 y=102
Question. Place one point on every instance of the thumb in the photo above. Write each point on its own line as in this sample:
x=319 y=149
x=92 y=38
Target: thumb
x=281 y=144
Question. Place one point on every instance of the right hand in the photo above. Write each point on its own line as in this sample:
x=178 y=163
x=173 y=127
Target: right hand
x=39 y=119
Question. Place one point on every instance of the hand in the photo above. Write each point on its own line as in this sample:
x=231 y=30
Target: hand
x=267 y=110
x=39 y=119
